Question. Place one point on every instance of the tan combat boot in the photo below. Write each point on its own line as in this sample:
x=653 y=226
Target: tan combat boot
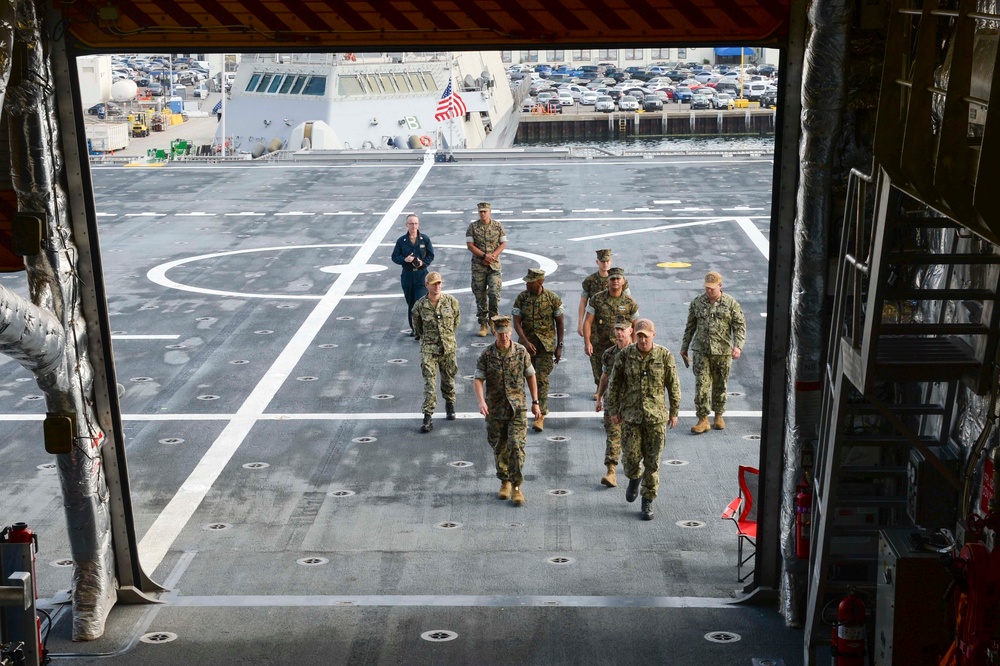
x=517 y=497
x=504 y=493
x=701 y=426
x=720 y=423
x=609 y=479
x=539 y=424
x=483 y=330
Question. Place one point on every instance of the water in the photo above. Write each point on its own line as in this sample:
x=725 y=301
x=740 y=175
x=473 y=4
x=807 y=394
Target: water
x=680 y=144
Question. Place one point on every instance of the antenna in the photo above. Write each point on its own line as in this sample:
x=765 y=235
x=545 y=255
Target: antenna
x=469 y=81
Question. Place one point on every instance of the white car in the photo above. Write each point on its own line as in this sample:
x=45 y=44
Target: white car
x=589 y=98
x=573 y=90
x=529 y=104
x=566 y=99
x=628 y=103
x=604 y=104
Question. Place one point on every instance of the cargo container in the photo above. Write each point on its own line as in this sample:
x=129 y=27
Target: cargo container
x=107 y=137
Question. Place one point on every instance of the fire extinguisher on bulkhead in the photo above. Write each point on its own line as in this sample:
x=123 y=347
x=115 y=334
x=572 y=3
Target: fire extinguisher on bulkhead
x=21 y=533
x=848 y=640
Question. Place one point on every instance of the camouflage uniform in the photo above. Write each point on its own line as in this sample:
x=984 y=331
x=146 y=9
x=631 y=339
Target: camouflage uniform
x=538 y=315
x=594 y=283
x=486 y=280
x=635 y=391
x=503 y=374
x=712 y=332
x=436 y=326
x=605 y=309
x=613 y=431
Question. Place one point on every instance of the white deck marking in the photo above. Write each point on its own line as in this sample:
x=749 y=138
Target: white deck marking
x=643 y=210
x=175 y=516
x=146 y=214
x=666 y=201
x=692 y=209
x=292 y=212
x=714 y=220
x=542 y=210
x=345 y=212
x=592 y=210
x=755 y=235
x=107 y=214
x=245 y=213
x=195 y=214
x=442 y=212
x=446 y=601
x=343 y=416
x=743 y=208
x=129 y=336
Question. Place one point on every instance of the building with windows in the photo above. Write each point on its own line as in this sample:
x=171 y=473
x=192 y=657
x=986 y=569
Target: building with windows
x=640 y=57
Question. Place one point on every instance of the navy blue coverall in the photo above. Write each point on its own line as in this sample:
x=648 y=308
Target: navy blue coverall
x=415 y=272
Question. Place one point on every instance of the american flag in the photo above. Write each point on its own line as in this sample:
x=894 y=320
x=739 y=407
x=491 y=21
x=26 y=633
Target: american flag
x=217 y=107
x=450 y=105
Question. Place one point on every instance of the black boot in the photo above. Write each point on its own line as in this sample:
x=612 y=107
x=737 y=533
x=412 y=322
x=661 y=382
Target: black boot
x=647 y=509
x=449 y=407
x=427 y=425
x=632 y=491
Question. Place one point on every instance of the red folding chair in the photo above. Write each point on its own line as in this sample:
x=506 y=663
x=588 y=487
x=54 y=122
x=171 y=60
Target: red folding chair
x=743 y=512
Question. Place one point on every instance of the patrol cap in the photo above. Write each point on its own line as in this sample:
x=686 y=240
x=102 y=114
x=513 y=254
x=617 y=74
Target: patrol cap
x=432 y=278
x=617 y=271
x=534 y=274
x=644 y=327
x=622 y=322
x=483 y=205
x=501 y=324
x=604 y=255
x=713 y=279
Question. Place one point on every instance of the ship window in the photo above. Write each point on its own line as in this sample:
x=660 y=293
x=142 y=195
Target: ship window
x=297 y=86
x=287 y=85
x=254 y=80
x=316 y=85
x=401 y=83
x=275 y=83
x=387 y=82
x=415 y=83
x=428 y=81
x=264 y=81
x=349 y=85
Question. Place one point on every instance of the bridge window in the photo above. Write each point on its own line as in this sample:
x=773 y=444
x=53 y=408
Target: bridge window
x=287 y=85
x=316 y=85
x=254 y=80
x=401 y=83
x=265 y=80
x=297 y=86
x=275 y=84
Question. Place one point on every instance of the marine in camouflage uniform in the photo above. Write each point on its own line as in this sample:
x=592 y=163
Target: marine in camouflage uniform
x=716 y=332
x=594 y=283
x=613 y=442
x=501 y=372
x=599 y=324
x=635 y=399
x=538 y=320
x=486 y=239
x=435 y=319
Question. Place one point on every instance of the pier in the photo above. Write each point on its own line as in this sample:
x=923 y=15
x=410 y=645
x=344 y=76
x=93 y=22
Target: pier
x=621 y=125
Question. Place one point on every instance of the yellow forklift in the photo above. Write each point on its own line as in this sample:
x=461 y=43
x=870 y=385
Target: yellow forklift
x=139 y=124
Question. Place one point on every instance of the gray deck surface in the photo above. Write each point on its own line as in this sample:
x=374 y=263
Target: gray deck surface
x=630 y=591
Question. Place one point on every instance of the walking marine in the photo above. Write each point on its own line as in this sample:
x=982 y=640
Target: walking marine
x=594 y=283
x=538 y=320
x=486 y=239
x=599 y=324
x=716 y=332
x=414 y=252
x=635 y=399
x=501 y=372
x=613 y=443
x=435 y=320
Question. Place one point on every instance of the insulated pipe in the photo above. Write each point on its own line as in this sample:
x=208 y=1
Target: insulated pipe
x=51 y=338
x=823 y=100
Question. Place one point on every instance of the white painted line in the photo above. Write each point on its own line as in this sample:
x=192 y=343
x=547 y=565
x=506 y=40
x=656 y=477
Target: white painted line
x=592 y=210
x=292 y=212
x=504 y=212
x=196 y=214
x=245 y=213
x=692 y=210
x=147 y=214
x=442 y=212
x=125 y=336
x=175 y=516
x=643 y=210
x=346 y=212
x=442 y=601
x=714 y=220
x=755 y=235
x=107 y=214
x=334 y=416
x=763 y=314
x=542 y=210
x=744 y=208
x=588 y=219
x=666 y=201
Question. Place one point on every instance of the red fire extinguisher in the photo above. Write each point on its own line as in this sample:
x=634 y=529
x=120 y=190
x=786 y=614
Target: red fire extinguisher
x=803 y=520
x=21 y=533
x=848 y=646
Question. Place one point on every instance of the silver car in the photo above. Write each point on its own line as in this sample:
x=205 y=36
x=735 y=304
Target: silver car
x=589 y=98
x=605 y=104
x=628 y=103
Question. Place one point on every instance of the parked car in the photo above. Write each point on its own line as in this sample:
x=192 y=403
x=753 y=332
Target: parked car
x=565 y=98
x=653 y=104
x=155 y=89
x=546 y=95
x=701 y=102
x=589 y=98
x=529 y=104
x=769 y=99
x=723 y=101
x=604 y=104
x=628 y=103
x=103 y=109
x=682 y=94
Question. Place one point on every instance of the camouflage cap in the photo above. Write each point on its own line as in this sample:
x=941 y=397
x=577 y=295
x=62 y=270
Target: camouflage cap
x=604 y=255
x=432 y=278
x=617 y=271
x=644 y=327
x=501 y=324
x=713 y=279
x=534 y=274
x=483 y=205
x=622 y=321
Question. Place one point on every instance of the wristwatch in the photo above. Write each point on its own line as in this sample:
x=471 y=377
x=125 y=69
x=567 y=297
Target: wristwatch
x=534 y=402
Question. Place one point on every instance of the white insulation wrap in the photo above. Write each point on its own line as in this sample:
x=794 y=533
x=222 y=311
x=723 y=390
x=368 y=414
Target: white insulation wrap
x=48 y=335
x=823 y=92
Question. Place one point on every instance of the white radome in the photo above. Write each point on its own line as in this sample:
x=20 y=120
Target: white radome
x=124 y=90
